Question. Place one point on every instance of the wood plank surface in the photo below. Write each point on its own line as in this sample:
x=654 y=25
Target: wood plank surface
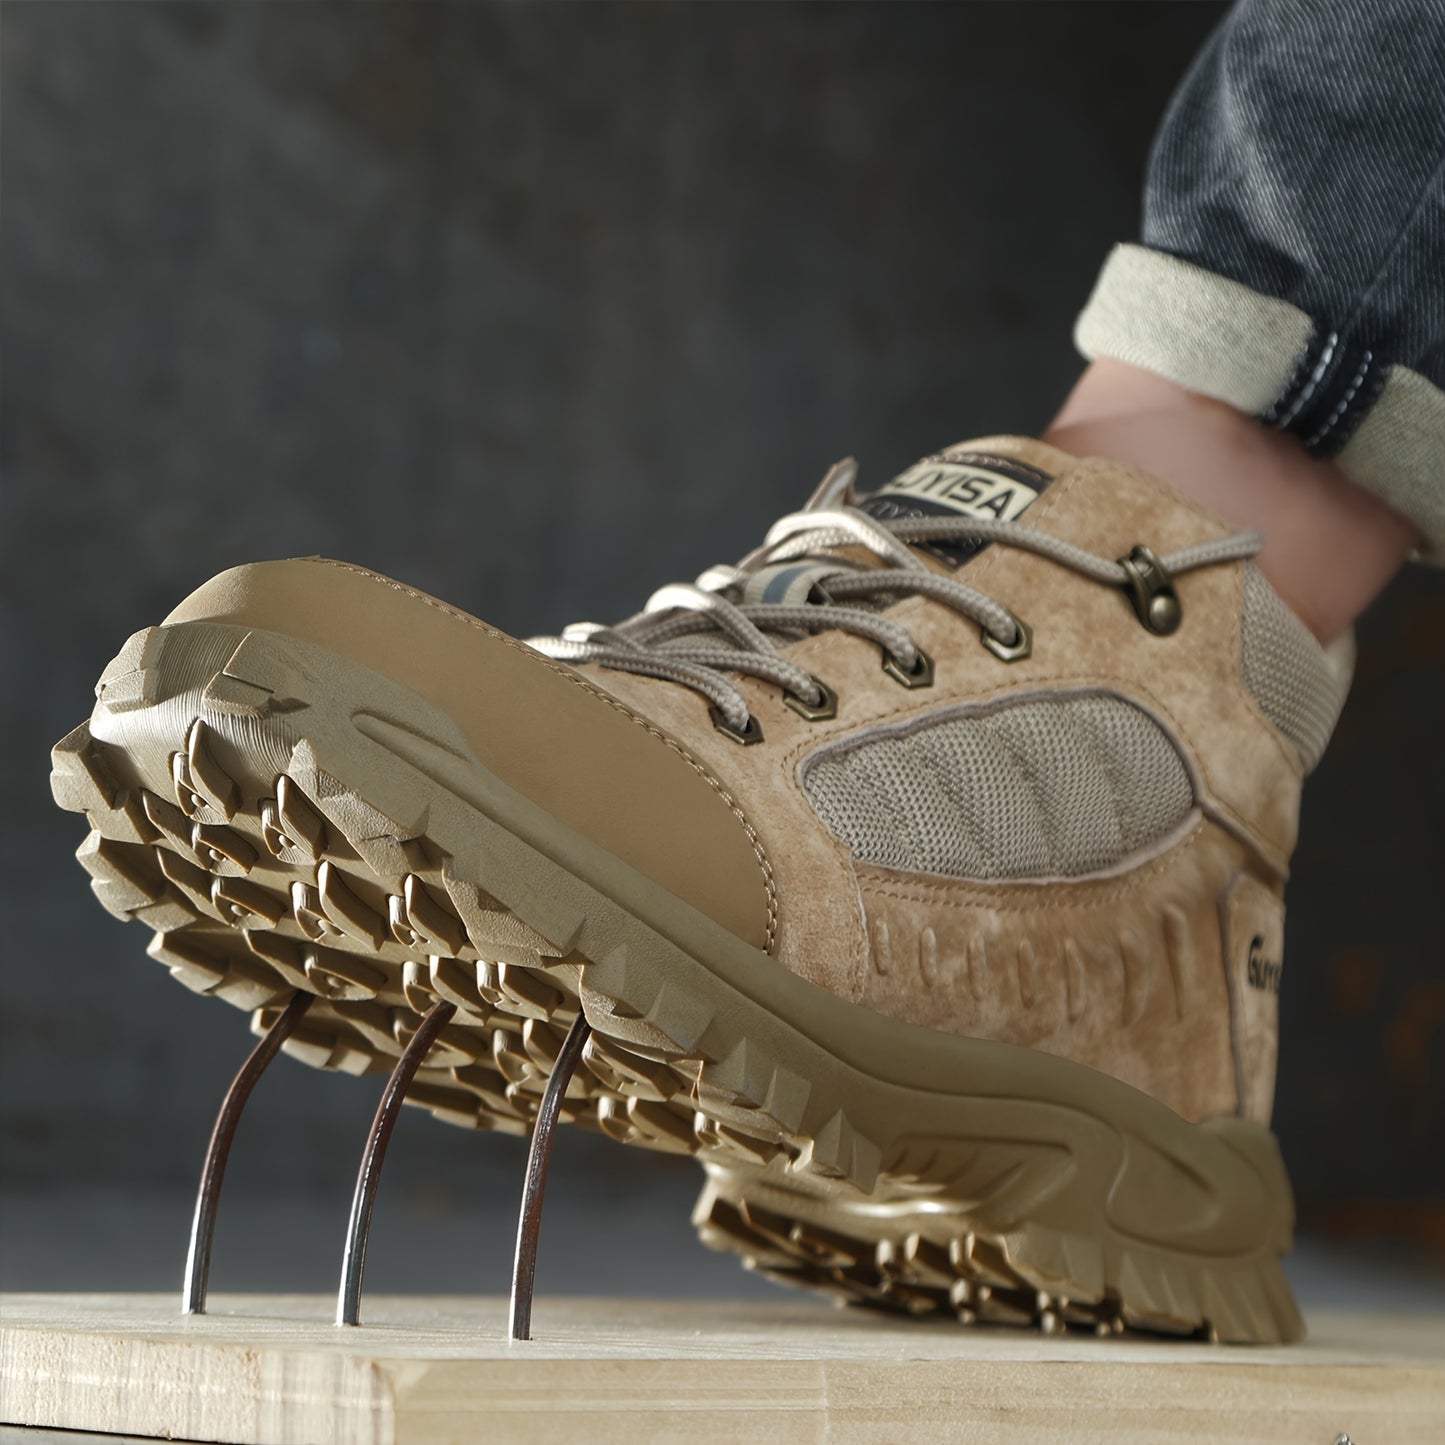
x=274 y=1370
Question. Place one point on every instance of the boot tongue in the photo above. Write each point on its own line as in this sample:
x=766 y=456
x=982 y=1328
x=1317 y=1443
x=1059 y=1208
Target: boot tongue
x=996 y=479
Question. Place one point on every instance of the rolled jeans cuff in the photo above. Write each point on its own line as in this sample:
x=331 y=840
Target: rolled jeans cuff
x=1384 y=426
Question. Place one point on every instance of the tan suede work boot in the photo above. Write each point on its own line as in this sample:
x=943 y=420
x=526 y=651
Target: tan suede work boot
x=922 y=876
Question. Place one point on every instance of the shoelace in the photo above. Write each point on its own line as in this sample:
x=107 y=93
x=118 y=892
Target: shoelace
x=696 y=633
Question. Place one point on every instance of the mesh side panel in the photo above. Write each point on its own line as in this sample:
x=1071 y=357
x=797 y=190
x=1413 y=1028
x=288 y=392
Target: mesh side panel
x=1124 y=739
x=1298 y=684
x=1043 y=789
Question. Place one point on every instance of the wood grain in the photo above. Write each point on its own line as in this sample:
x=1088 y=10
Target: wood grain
x=273 y=1369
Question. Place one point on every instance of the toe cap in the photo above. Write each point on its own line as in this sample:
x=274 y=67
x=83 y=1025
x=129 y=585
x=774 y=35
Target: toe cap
x=595 y=765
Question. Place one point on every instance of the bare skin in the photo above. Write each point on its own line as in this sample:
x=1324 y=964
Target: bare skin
x=1329 y=546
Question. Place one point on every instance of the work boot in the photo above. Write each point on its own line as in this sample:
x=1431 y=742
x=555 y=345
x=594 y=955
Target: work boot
x=922 y=875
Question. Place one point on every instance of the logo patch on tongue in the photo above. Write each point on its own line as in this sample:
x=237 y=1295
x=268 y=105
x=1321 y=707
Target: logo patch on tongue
x=964 y=484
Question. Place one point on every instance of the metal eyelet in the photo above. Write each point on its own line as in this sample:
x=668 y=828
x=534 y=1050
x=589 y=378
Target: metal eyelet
x=1013 y=651
x=1151 y=591
x=747 y=736
x=920 y=675
x=820 y=711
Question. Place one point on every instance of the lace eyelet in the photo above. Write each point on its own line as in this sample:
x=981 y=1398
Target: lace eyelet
x=820 y=711
x=746 y=737
x=1016 y=650
x=921 y=674
x=1151 y=591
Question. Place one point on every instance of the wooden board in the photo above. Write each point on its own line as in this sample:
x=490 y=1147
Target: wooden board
x=273 y=1369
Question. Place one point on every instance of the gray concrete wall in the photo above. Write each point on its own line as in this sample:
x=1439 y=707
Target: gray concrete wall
x=537 y=306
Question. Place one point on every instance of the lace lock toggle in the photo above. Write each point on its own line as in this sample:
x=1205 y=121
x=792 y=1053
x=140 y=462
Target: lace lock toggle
x=1151 y=590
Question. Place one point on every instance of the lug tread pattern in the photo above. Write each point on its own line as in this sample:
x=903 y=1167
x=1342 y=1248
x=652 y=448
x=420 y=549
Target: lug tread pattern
x=255 y=889
x=952 y=1270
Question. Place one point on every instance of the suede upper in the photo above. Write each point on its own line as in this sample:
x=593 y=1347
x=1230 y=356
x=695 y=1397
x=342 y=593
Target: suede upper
x=1133 y=971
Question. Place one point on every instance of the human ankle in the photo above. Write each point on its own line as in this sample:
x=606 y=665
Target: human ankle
x=1329 y=546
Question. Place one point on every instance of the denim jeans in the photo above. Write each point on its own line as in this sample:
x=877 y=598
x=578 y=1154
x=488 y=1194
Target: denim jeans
x=1293 y=256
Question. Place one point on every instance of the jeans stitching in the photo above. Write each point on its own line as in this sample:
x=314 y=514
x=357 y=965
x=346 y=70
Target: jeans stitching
x=1313 y=385
x=1333 y=419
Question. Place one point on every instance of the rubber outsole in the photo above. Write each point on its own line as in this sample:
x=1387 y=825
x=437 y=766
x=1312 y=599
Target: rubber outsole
x=285 y=819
